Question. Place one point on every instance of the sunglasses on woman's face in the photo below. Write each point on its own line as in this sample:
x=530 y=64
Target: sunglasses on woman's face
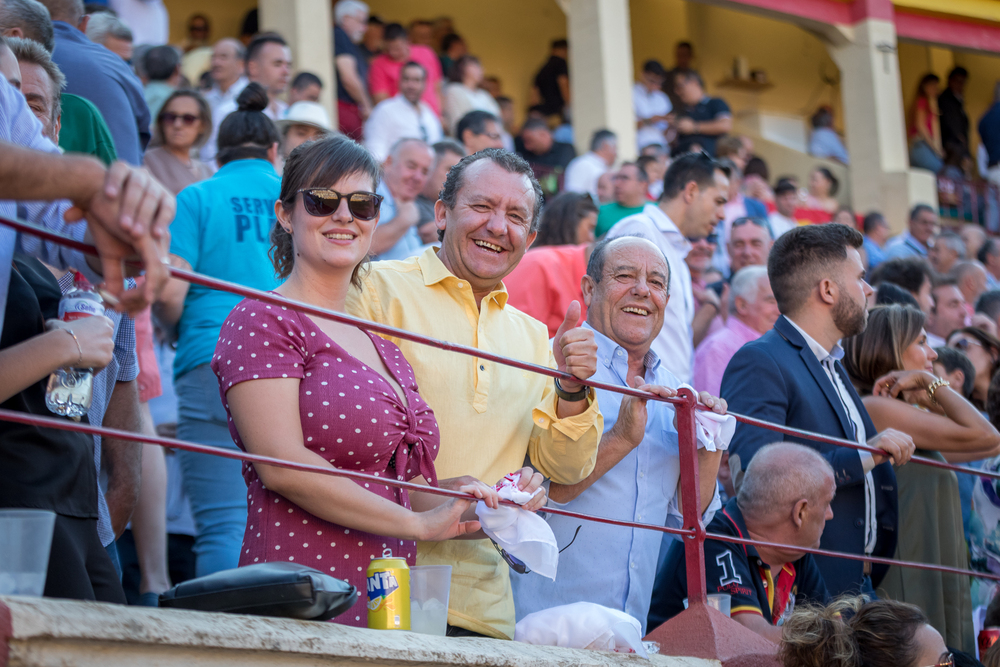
x=186 y=118
x=964 y=344
x=323 y=202
x=946 y=660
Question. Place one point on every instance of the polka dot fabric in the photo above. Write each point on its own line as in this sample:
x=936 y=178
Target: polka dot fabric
x=350 y=416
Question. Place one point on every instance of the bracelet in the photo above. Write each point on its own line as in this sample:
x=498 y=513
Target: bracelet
x=567 y=396
x=79 y=349
x=934 y=386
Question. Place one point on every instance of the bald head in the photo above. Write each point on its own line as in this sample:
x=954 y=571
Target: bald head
x=780 y=476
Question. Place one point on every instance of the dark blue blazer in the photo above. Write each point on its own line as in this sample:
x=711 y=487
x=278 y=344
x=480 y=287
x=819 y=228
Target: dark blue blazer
x=778 y=378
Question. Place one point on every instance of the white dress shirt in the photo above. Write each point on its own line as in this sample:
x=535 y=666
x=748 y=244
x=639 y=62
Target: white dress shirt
x=828 y=361
x=222 y=104
x=674 y=346
x=780 y=224
x=582 y=173
x=397 y=118
x=648 y=104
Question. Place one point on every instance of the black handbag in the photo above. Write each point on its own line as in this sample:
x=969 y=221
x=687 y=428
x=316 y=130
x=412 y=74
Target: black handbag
x=288 y=590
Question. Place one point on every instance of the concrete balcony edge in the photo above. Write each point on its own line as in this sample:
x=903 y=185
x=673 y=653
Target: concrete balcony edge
x=41 y=632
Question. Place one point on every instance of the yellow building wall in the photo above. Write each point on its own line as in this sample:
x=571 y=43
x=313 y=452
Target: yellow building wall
x=511 y=38
x=796 y=61
x=916 y=60
x=226 y=16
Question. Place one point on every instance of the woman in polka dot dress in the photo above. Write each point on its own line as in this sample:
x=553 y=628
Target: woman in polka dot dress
x=319 y=392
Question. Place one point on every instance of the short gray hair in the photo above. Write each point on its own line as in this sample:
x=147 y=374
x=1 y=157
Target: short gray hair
x=952 y=240
x=70 y=11
x=346 y=8
x=778 y=476
x=746 y=285
x=105 y=24
x=30 y=51
x=32 y=17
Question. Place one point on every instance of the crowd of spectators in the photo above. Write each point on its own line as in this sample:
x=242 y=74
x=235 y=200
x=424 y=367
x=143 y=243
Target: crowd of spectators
x=426 y=209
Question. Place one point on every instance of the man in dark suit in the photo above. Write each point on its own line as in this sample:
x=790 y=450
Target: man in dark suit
x=792 y=375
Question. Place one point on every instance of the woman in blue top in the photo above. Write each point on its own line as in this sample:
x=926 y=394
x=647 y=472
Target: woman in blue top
x=222 y=230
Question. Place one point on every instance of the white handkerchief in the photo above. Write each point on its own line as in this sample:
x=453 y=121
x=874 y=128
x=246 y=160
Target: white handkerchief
x=714 y=431
x=522 y=534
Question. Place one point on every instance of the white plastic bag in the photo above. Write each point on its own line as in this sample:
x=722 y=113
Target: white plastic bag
x=582 y=625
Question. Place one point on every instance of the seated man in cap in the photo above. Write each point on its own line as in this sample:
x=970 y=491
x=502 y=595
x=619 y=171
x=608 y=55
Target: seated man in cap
x=785 y=498
x=304 y=121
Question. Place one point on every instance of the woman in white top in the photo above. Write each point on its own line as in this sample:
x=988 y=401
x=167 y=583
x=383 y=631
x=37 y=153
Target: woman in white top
x=463 y=93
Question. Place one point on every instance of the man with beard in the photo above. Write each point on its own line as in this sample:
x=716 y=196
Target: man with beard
x=792 y=375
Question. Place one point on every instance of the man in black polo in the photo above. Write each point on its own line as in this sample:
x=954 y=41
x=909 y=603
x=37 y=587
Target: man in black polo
x=785 y=498
x=702 y=119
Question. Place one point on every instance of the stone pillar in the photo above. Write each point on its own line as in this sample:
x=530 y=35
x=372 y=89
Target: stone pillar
x=307 y=26
x=600 y=69
x=875 y=121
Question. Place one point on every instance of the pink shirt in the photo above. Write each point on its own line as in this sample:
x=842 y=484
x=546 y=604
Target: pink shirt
x=383 y=75
x=714 y=353
x=546 y=281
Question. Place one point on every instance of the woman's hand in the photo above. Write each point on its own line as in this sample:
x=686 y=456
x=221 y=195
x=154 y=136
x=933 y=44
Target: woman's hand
x=444 y=522
x=531 y=481
x=469 y=484
x=96 y=336
x=912 y=385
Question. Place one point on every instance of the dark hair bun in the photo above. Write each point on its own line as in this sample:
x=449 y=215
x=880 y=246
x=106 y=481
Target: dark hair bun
x=253 y=98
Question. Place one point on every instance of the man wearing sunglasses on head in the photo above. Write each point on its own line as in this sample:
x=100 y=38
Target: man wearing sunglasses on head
x=638 y=468
x=492 y=417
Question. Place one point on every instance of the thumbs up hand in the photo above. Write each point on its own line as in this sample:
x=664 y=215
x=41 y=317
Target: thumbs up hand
x=575 y=349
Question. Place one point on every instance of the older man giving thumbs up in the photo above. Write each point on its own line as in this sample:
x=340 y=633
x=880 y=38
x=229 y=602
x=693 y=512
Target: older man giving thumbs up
x=491 y=416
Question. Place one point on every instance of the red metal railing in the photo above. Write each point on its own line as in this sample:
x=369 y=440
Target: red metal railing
x=693 y=532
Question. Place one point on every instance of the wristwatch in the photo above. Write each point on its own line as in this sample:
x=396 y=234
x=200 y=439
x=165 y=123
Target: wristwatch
x=567 y=396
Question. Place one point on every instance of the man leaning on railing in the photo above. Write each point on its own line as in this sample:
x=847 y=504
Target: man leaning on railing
x=793 y=376
x=637 y=476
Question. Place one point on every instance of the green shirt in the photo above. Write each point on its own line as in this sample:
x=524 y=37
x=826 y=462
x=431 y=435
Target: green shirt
x=611 y=213
x=84 y=130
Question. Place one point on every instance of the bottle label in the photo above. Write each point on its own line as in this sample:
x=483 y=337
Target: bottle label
x=75 y=308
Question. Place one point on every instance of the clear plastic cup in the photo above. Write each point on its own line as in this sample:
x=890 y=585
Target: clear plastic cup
x=429 y=589
x=721 y=601
x=25 y=540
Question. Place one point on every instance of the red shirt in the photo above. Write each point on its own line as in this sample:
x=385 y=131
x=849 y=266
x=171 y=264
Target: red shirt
x=350 y=416
x=546 y=281
x=383 y=75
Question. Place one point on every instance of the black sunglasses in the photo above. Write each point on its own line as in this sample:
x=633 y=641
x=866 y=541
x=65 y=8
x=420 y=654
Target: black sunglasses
x=322 y=202
x=169 y=118
x=518 y=565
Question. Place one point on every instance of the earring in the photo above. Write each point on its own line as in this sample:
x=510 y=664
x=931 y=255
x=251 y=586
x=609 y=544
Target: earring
x=287 y=230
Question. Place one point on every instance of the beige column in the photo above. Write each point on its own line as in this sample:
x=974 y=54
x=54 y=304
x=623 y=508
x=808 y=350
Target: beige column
x=875 y=122
x=600 y=71
x=307 y=26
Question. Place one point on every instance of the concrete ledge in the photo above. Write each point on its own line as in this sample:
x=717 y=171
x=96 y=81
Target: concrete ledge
x=38 y=632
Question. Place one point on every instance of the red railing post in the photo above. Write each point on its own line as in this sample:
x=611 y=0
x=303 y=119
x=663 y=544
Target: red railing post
x=694 y=545
x=701 y=631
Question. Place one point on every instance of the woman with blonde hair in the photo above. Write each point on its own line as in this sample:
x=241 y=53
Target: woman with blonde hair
x=858 y=632
x=891 y=365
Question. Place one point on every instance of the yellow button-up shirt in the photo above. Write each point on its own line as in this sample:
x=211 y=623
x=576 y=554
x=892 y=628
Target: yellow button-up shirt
x=490 y=415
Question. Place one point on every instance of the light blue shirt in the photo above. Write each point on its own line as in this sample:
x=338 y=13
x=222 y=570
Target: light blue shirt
x=409 y=245
x=825 y=143
x=905 y=245
x=611 y=565
x=874 y=252
x=222 y=229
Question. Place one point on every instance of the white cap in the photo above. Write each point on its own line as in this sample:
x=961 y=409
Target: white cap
x=306 y=113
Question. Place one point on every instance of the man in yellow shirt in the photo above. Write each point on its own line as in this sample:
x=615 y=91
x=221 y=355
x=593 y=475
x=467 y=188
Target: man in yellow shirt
x=491 y=416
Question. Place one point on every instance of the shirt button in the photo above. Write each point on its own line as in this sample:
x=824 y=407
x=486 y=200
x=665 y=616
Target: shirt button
x=642 y=474
x=859 y=523
x=482 y=367
x=632 y=565
x=461 y=285
x=639 y=518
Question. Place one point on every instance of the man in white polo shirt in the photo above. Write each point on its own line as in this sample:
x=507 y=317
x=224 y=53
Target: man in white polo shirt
x=403 y=116
x=695 y=190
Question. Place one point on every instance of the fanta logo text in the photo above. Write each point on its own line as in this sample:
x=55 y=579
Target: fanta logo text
x=380 y=586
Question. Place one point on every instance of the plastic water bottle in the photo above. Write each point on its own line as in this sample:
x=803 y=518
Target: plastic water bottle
x=70 y=390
